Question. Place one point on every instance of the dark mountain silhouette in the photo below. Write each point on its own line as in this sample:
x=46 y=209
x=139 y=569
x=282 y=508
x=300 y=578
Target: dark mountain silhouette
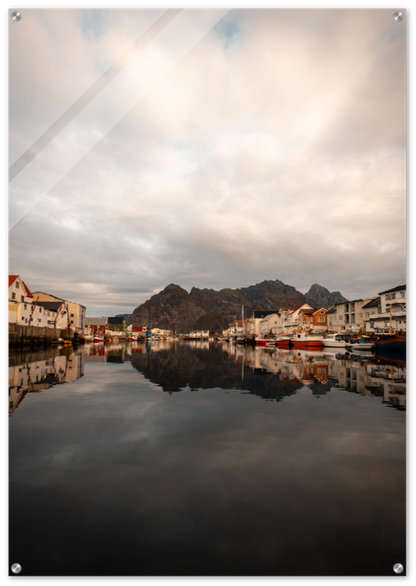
x=207 y=309
x=323 y=297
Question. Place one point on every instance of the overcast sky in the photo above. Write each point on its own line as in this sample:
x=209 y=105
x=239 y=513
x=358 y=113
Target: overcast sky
x=234 y=147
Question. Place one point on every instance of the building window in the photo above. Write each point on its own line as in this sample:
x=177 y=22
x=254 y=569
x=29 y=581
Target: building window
x=321 y=319
x=13 y=295
x=17 y=284
x=22 y=298
x=72 y=315
x=40 y=310
x=25 y=306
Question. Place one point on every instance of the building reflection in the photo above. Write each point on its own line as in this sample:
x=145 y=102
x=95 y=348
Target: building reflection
x=271 y=373
x=36 y=371
x=174 y=366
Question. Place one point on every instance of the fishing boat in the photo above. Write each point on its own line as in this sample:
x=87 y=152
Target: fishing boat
x=335 y=341
x=390 y=343
x=307 y=340
x=97 y=340
x=265 y=342
x=363 y=343
x=284 y=341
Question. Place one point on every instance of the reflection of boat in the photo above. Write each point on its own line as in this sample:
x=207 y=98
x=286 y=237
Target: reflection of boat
x=335 y=341
x=307 y=340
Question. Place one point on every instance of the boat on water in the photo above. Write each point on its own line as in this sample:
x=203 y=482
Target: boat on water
x=97 y=340
x=360 y=344
x=269 y=342
x=307 y=340
x=284 y=341
x=390 y=343
x=335 y=340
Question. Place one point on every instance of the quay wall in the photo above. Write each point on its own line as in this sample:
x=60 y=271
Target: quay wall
x=33 y=336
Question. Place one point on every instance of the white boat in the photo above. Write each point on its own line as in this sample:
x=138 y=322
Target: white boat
x=334 y=341
x=306 y=339
x=361 y=344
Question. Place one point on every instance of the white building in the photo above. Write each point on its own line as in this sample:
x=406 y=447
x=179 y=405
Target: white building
x=270 y=324
x=392 y=311
x=75 y=310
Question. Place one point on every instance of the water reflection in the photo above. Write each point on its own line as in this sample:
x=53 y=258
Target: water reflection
x=181 y=366
x=125 y=479
x=271 y=374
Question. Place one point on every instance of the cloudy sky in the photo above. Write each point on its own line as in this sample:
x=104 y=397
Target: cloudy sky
x=207 y=148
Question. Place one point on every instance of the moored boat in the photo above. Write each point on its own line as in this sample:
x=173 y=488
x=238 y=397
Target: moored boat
x=363 y=343
x=284 y=341
x=335 y=341
x=390 y=343
x=307 y=340
x=265 y=342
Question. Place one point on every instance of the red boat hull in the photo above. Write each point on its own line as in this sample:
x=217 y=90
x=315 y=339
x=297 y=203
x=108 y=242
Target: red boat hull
x=308 y=344
x=284 y=343
x=262 y=342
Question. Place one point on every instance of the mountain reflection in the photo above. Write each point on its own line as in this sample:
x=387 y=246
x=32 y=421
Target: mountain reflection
x=270 y=373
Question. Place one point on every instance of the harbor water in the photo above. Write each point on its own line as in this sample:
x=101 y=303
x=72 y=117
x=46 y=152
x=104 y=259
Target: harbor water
x=206 y=459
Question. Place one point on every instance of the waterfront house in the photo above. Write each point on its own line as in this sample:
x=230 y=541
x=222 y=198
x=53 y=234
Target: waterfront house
x=138 y=332
x=55 y=315
x=391 y=311
x=117 y=324
x=96 y=326
x=330 y=316
x=320 y=320
x=370 y=310
x=76 y=310
x=305 y=317
x=291 y=317
x=255 y=321
x=348 y=316
x=270 y=324
x=20 y=301
x=21 y=304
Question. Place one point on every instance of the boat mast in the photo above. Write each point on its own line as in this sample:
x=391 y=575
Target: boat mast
x=390 y=321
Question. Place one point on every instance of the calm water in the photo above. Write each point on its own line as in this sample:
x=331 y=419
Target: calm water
x=198 y=459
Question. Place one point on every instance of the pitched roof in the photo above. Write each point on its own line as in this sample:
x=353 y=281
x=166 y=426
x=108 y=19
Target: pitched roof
x=331 y=310
x=116 y=320
x=320 y=309
x=12 y=279
x=373 y=303
x=262 y=314
x=399 y=288
x=50 y=305
x=307 y=311
x=59 y=298
x=95 y=321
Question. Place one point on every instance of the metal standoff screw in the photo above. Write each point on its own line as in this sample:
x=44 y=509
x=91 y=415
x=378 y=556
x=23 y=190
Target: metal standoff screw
x=16 y=16
x=398 y=568
x=16 y=568
x=398 y=16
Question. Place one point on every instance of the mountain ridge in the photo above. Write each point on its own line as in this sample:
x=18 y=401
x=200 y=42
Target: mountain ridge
x=209 y=309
